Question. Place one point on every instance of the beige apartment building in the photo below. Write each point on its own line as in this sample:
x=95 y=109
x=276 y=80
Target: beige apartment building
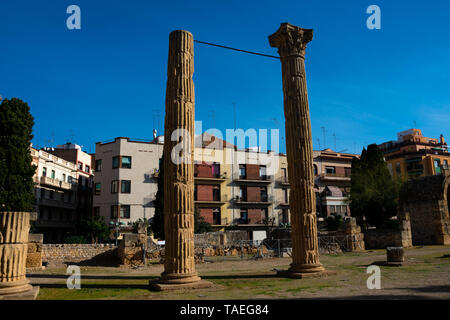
x=125 y=182
x=55 y=195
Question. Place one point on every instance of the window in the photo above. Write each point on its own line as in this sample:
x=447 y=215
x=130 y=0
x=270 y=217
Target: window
x=126 y=162
x=114 y=211
x=51 y=194
x=195 y=192
x=243 y=193
x=80 y=166
x=44 y=171
x=315 y=170
x=330 y=170
x=348 y=172
x=216 y=216
x=242 y=173
x=114 y=186
x=115 y=162
x=244 y=216
x=263 y=172
x=125 y=186
x=87 y=168
x=263 y=194
x=53 y=174
x=42 y=193
x=285 y=194
x=96 y=211
x=64 y=177
x=216 y=193
x=398 y=169
x=98 y=165
x=98 y=188
x=125 y=212
x=437 y=166
x=216 y=170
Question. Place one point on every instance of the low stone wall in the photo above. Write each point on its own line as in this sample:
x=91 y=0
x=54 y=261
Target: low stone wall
x=381 y=239
x=220 y=238
x=34 y=255
x=95 y=254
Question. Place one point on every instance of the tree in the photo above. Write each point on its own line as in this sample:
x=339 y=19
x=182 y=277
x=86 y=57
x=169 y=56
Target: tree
x=16 y=169
x=374 y=194
x=200 y=225
x=157 y=224
x=95 y=229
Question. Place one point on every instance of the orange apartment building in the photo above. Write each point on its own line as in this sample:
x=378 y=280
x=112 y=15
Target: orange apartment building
x=414 y=155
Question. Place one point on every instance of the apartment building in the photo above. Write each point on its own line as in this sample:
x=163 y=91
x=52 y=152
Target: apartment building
x=125 y=182
x=84 y=175
x=332 y=172
x=413 y=155
x=248 y=189
x=55 y=191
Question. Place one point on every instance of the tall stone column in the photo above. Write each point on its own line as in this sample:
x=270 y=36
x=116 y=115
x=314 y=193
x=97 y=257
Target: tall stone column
x=14 y=227
x=179 y=263
x=291 y=42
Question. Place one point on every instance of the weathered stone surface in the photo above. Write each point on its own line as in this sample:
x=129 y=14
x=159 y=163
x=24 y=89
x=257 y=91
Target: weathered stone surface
x=291 y=42
x=179 y=259
x=395 y=254
x=426 y=201
x=14 y=228
x=58 y=254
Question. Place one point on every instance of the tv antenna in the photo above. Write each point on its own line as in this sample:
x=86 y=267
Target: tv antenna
x=324 y=138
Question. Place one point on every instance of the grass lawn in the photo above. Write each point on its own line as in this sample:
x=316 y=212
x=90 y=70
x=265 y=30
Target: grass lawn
x=425 y=274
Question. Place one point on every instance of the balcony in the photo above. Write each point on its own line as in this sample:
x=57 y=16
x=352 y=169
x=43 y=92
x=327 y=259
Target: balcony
x=283 y=181
x=266 y=179
x=214 y=201
x=334 y=177
x=57 y=183
x=57 y=203
x=264 y=201
x=214 y=178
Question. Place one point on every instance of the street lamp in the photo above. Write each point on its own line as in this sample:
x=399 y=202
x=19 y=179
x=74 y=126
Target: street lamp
x=116 y=224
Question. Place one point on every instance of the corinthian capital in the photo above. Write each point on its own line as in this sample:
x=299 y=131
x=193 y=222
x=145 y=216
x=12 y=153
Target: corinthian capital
x=290 y=40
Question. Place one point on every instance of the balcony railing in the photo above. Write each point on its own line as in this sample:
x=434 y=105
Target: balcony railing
x=283 y=180
x=261 y=179
x=267 y=199
x=57 y=203
x=216 y=199
x=221 y=176
x=335 y=176
x=52 y=182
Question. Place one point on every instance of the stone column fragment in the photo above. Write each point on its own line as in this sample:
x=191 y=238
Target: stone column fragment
x=291 y=42
x=14 y=227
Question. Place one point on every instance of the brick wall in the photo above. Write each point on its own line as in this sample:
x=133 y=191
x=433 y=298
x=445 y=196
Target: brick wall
x=255 y=216
x=252 y=171
x=253 y=194
x=207 y=214
x=204 y=192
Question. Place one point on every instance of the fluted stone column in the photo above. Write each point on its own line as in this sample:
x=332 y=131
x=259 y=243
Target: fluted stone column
x=179 y=264
x=291 y=42
x=14 y=227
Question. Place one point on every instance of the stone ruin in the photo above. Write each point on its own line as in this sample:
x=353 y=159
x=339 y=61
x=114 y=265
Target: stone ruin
x=426 y=201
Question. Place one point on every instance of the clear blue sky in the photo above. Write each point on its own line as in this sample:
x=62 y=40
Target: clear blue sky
x=108 y=79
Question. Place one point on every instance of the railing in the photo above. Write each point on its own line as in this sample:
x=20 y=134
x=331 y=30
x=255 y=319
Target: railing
x=262 y=200
x=283 y=180
x=57 y=183
x=264 y=178
x=222 y=198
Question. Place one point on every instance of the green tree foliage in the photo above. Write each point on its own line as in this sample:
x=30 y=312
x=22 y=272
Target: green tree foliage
x=95 y=229
x=135 y=225
x=374 y=194
x=200 y=225
x=157 y=224
x=16 y=170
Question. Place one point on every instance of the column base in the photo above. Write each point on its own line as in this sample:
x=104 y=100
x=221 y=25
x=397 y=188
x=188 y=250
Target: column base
x=15 y=287
x=27 y=295
x=156 y=285
x=305 y=271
